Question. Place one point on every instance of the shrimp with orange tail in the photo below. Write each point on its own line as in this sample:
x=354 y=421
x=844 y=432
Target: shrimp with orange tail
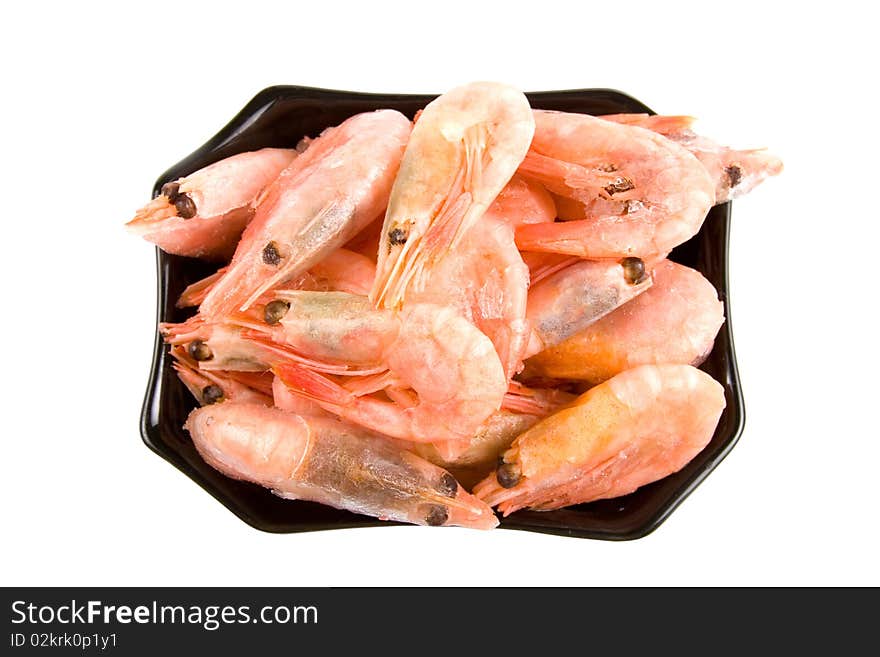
x=735 y=172
x=676 y=321
x=327 y=461
x=640 y=426
x=643 y=193
x=203 y=214
x=323 y=199
x=463 y=150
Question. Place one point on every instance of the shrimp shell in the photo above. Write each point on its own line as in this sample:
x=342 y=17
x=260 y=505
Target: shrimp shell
x=327 y=461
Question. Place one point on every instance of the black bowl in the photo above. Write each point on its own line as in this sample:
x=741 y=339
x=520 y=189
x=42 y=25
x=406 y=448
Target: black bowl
x=280 y=116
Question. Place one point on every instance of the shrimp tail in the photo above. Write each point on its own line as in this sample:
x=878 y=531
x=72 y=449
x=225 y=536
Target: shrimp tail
x=312 y=385
x=196 y=292
x=665 y=125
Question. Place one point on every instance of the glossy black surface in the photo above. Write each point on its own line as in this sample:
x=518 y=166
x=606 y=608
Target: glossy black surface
x=280 y=116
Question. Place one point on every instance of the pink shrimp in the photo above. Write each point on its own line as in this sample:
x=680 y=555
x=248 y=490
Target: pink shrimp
x=735 y=172
x=486 y=281
x=203 y=214
x=327 y=461
x=442 y=374
x=214 y=387
x=571 y=299
x=643 y=193
x=676 y=321
x=640 y=426
x=342 y=270
x=324 y=198
x=463 y=150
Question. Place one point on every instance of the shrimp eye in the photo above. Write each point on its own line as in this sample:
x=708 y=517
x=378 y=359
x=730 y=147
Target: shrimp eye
x=734 y=175
x=633 y=270
x=200 y=351
x=271 y=254
x=437 y=515
x=170 y=190
x=275 y=311
x=448 y=485
x=508 y=475
x=397 y=236
x=186 y=207
x=212 y=394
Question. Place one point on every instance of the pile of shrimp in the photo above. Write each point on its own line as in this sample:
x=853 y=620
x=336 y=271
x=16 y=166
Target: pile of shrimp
x=425 y=321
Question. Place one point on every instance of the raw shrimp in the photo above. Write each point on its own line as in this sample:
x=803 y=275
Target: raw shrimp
x=463 y=150
x=203 y=214
x=215 y=346
x=327 y=461
x=486 y=281
x=443 y=374
x=638 y=427
x=342 y=270
x=735 y=172
x=214 y=387
x=676 y=321
x=571 y=299
x=643 y=193
x=324 y=198
x=522 y=202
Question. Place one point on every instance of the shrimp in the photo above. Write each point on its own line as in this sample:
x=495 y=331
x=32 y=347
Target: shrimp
x=522 y=202
x=735 y=172
x=640 y=426
x=342 y=270
x=440 y=372
x=463 y=150
x=486 y=281
x=214 y=387
x=327 y=461
x=203 y=214
x=643 y=193
x=675 y=321
x=324 y=198
x=571 y=299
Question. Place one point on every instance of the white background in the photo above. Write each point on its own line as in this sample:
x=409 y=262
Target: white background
x=98 y=100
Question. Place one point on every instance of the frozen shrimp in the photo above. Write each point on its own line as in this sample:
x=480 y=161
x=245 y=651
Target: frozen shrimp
x=643 y=193
x=442 y=378
x=203 y=214
x=463 y=150
x=342 y=270
x=213 y=387
x=486 y=281
x=675 y=321
x=327 y=461
x=318 y=203
x=735 y=172
x=572 y=298
x=640 y=426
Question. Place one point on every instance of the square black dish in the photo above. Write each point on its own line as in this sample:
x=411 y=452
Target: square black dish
x=279 y=117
